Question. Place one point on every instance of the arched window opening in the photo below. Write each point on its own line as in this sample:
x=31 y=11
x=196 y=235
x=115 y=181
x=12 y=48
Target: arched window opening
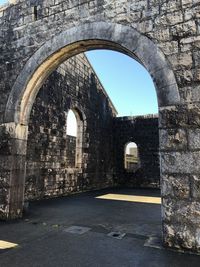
x=71 y=124
x=74 y=130
x=131 y=161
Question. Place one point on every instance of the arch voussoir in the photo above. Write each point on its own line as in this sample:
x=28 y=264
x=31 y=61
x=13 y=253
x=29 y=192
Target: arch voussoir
x=90 y=36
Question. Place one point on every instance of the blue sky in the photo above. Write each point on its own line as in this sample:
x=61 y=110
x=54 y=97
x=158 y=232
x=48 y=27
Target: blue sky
x=3 y=1
x=127 y=82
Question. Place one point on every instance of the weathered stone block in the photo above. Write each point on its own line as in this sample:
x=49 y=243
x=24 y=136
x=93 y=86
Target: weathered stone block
x=181 y=61
x=186 y=94
x=179 y=236
x=195 y=186
x=194 y=138
x=196 y=56
x=186 y=3
x=169 y=47
x=185 y=77
x=192 y=12
x=197 y=75
x=170 y=18
x=181 y=211
x=195 y=93
x=170 y=6
x=173 y=117
x=194 y=115
x=173 y=139
x=185 y=29
x=5 y=141
x=176 y=186
x=161 y=34
x=180 y=162
x=190 y=93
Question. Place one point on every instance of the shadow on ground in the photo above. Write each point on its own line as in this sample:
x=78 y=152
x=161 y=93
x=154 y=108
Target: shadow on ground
x=83 y=230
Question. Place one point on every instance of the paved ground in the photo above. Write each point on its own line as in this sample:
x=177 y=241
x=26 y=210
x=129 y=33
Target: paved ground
x=44 y=237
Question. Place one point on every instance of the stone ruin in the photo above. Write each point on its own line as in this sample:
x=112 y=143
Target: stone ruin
x=36 y=37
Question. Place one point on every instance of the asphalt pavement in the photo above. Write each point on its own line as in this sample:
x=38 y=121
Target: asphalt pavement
x=112 y=227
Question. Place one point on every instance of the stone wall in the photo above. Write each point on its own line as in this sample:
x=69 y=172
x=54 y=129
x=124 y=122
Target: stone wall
x=51 y=169
x=143 y=131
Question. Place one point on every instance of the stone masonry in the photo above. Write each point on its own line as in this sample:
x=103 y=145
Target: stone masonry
x=143 y=131
x=50 y=165
x=37 y=36
x=51 y=169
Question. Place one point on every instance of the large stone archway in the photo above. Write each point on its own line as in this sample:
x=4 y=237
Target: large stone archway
x=172 y=58
x=54 y=52
x=79 y=39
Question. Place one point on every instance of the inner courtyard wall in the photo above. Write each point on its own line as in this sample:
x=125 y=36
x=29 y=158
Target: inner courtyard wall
x=51 y=170
x=50 y=163
x=144 y=132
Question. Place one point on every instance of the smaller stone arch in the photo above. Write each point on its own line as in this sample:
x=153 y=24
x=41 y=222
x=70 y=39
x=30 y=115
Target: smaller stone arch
x=131 y=156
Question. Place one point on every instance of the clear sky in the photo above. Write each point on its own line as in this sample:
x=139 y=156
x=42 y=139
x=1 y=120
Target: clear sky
x=3 y=1
x=128 y=84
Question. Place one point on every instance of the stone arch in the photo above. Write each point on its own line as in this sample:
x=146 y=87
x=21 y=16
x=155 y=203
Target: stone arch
x=89 y=36
x=128 y=163
x=49 y=56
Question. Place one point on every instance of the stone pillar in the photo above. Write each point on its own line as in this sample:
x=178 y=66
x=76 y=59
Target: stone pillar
x=13 y=142
x=180 y=176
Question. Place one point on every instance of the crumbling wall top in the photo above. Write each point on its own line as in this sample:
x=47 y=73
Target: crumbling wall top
x=129 y=118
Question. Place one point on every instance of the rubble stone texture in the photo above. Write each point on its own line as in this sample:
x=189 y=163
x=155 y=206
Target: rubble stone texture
x=36 y=36
x=143 y=131
x=50 y=166
x=51 y=169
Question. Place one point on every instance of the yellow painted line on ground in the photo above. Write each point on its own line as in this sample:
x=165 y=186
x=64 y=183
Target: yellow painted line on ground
x=131 y=198
x=6 y=245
